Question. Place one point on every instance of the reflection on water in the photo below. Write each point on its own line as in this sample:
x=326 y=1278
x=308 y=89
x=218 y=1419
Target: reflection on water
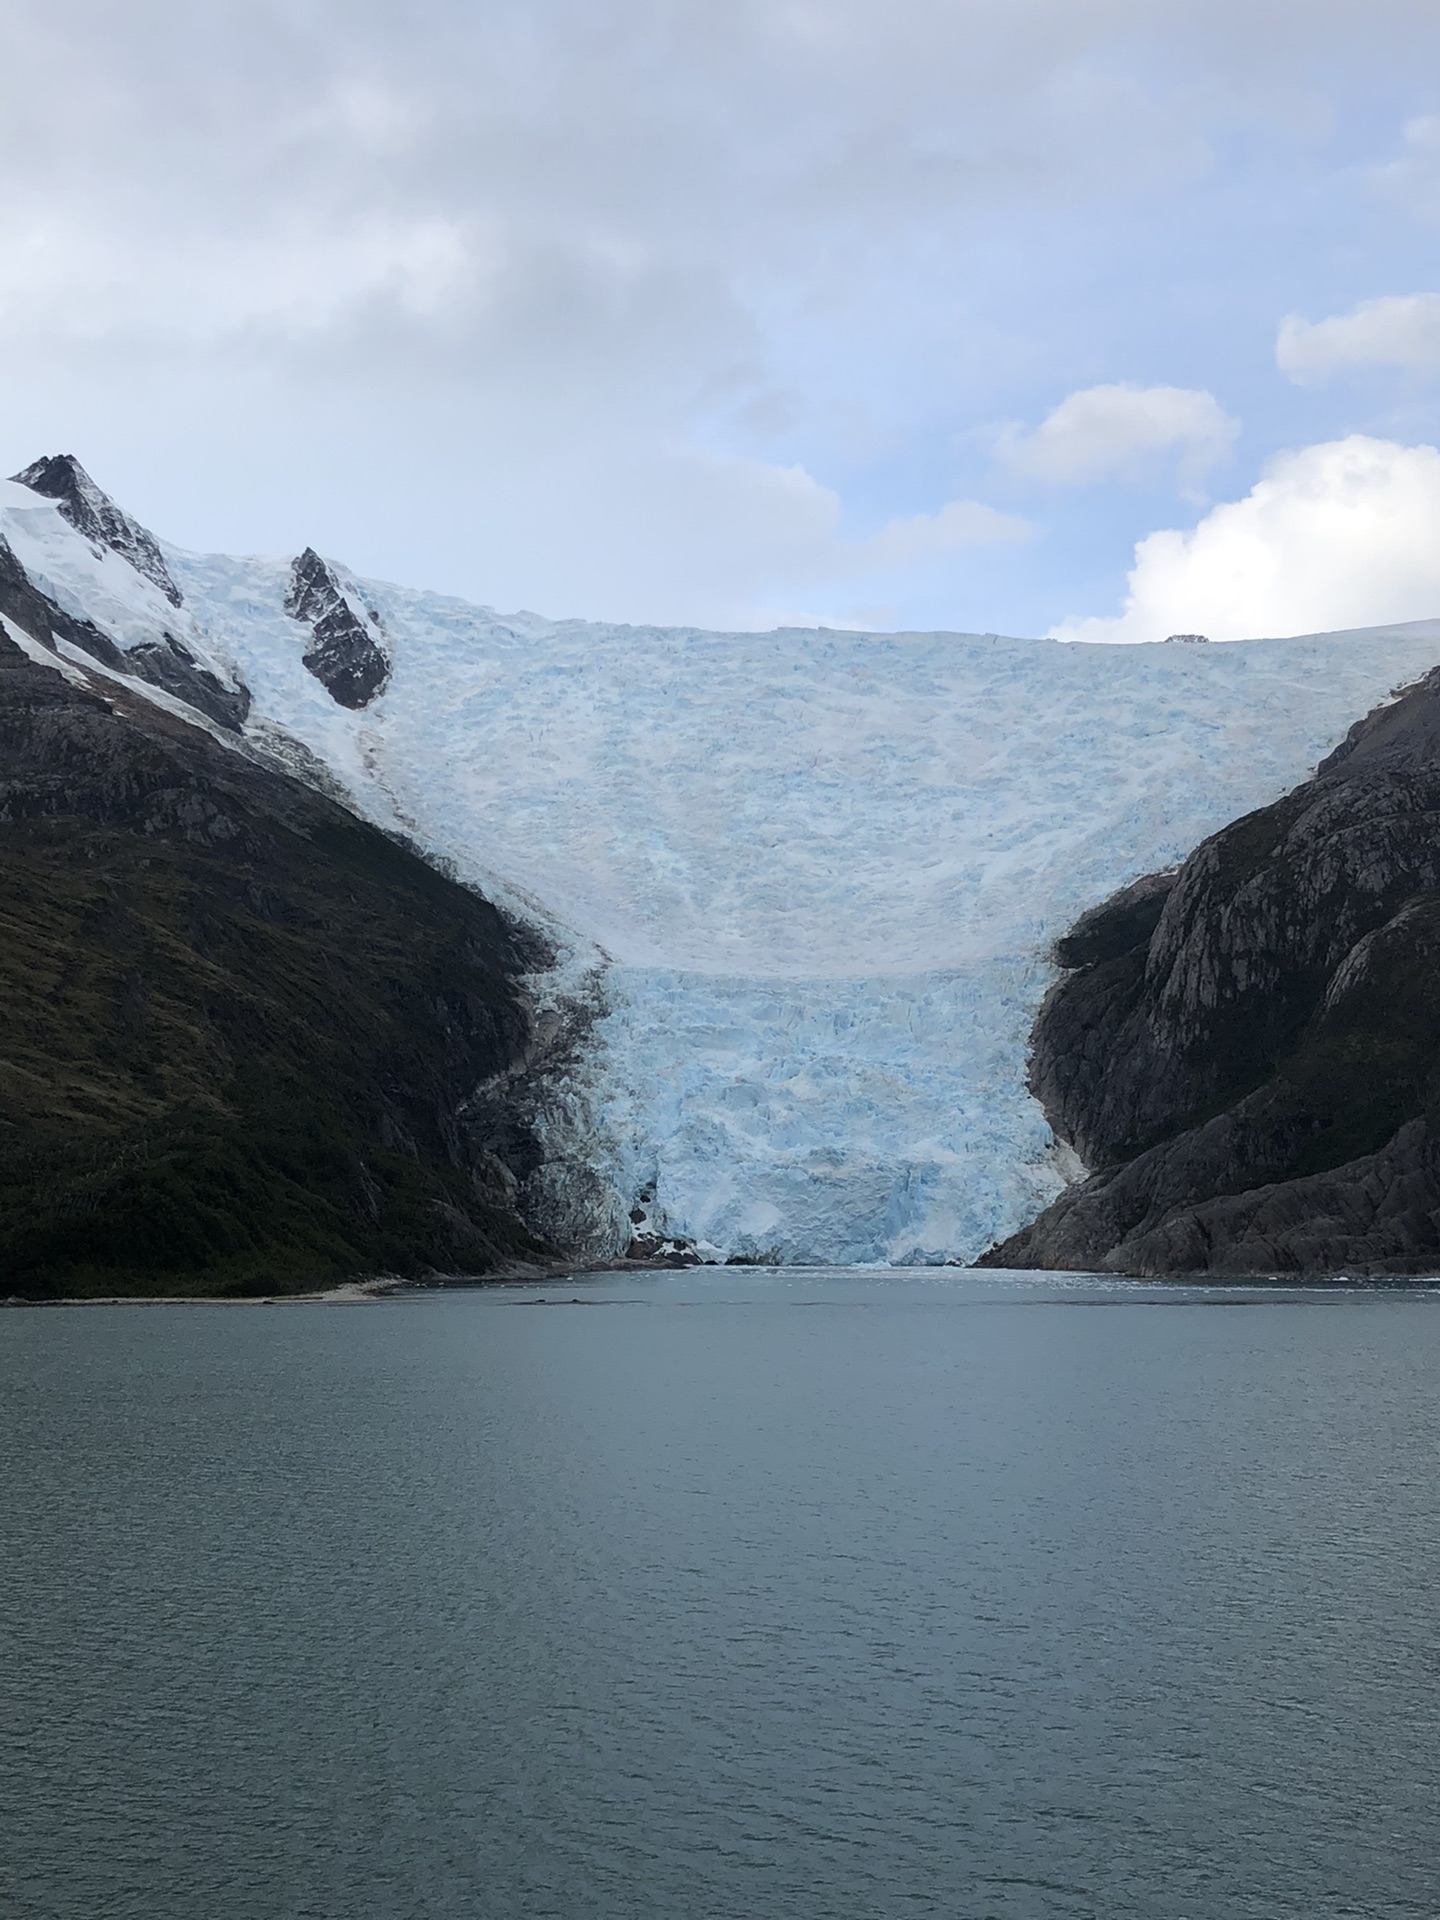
x=752 y=1594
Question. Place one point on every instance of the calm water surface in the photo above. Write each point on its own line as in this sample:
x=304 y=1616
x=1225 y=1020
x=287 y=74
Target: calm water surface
x=723 y=1595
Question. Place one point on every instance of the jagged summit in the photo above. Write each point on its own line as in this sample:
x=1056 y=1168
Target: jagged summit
x=345 y=658
x=90 y=510
x=77 y=573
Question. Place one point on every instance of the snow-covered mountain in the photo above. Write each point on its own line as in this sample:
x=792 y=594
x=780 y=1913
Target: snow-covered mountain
x=805 y=880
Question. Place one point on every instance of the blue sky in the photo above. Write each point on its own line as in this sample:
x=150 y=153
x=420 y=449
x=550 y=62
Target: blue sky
x=910 y=313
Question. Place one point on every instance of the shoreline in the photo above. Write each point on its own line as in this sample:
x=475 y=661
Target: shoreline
x=365 y=1291
x=354 y=1292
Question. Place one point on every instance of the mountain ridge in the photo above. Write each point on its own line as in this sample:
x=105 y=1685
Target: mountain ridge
x=800 y=888
x=1251 y=1066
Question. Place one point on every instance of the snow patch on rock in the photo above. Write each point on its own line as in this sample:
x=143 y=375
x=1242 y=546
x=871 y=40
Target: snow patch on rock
x=117 y=606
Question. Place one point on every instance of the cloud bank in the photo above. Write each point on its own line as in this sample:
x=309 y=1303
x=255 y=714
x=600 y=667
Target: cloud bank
x=663 y=310
x=1333 y=536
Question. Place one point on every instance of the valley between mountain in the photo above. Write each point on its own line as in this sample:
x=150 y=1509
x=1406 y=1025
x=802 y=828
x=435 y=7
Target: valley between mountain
x=350 y=930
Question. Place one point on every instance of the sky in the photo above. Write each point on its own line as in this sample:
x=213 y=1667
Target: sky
x=1106 y=318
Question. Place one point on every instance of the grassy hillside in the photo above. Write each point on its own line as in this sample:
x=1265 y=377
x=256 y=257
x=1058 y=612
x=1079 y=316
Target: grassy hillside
x=237 y=1025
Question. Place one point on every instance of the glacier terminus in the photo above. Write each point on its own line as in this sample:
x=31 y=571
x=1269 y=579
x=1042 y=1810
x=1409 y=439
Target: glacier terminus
x=800 y=885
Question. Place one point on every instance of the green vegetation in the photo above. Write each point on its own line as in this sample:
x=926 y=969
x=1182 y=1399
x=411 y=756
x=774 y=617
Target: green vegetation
x=235 y=1029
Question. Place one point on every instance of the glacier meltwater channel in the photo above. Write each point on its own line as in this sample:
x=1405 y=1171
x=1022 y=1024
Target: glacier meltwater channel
x=808 y=878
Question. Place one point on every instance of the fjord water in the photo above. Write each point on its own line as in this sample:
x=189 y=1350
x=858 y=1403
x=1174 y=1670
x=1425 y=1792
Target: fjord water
x=724 y=1594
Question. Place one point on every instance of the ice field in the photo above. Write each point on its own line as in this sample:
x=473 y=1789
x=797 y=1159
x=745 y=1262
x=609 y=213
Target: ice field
x=817 y=871
x=823 y=868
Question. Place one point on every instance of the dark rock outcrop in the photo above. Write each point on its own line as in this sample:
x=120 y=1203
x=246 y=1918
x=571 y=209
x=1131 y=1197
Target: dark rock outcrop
x=1248 y=1052
x=168 y=664
x=91 y=511
x=239 y=1027
x=345 y=656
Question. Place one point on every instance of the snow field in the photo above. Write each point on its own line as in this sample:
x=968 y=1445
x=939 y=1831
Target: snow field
x=825 y=868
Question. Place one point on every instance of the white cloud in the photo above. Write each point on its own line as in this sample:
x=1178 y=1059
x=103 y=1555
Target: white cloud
x=1414 y=179
x=1333 y=536
x=1120 y=431
x=1402 y=330
x=926 y=536
x=301 y=279
x=697 y=143
x=734 y=542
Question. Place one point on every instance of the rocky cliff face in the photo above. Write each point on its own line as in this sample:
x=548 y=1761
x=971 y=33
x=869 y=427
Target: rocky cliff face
x=61 y=478
x=345 y=654
x=244 y=1031
x=1248 y=1051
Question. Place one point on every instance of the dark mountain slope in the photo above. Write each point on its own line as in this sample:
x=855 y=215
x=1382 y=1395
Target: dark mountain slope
x=1249 y=1051
x=238 y=1026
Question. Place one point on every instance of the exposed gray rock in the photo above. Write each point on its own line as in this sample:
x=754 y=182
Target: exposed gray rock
x=169 y=664
x=1118 y=925
x=1256 y=1073
x=91 y=511
x=1376 y=1215
x=540 y=1120
x=345 y=657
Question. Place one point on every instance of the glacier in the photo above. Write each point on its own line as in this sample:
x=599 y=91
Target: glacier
x=805 y=881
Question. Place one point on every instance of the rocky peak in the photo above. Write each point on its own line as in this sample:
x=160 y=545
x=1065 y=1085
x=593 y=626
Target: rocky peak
x=345 y=656
x=94 y=514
